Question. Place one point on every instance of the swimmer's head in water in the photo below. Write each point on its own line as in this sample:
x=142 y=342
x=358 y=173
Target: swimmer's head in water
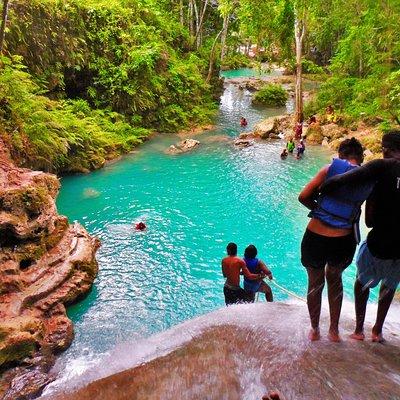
x=250 y=251
x=140 y=226
x=351 y=149
x=391 y=143
x=231 y=249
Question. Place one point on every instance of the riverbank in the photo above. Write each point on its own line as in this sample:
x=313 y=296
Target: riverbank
x=45 y=264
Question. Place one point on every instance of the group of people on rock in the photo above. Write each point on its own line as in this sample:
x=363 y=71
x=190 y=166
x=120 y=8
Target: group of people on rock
x=334 y=197
x=254 y=271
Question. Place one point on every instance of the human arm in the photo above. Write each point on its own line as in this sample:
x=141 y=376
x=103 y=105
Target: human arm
x=223 y=269
x=369 y=211
x=265 y=270
x=248 y=274
x=308 y=195
x=369 y=172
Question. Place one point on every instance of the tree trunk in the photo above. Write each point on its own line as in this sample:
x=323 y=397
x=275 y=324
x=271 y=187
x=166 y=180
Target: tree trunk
x=190 y=18
x=181 y=12
x=299 y=36
x=200 y=26
x=224 y=34
x=3 y=24
x=196 y=15
x=212 y=57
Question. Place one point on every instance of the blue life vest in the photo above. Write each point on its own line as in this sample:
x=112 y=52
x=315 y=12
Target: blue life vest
x=342 y=208
x=251 y=285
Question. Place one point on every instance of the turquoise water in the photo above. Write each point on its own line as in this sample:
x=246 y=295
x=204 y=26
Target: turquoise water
x=248 y=73
x=193 y=205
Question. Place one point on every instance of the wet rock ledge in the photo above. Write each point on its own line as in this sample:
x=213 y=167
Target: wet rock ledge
x=45 y=264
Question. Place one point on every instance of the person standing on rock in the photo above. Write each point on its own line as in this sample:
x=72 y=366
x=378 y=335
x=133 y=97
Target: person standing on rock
x=329 y=243
x=232 y=267
x=378 y=258
x=298 y=130
x=256 y=266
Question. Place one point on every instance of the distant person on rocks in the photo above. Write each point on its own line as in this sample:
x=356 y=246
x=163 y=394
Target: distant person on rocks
x=329 y=243
x=256 y=266
x=298 y=130
x=243 y=122
x=378 y=259
x=330 y=114
x=232 y=267
x=312 y=120
x=301 y=148
x=284 y=154
x=290 y=145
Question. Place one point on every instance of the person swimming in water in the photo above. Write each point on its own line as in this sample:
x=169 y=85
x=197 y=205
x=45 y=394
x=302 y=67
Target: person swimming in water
x=284 y=154
x=256 y=266
x=243 y=122
x=140 y=226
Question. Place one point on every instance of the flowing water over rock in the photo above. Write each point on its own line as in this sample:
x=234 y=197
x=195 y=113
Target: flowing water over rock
x=193 y=205
x=242 y=352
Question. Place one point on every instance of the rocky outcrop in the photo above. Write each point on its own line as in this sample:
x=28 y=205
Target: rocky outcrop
x=45 y=263
x=183 y=147
x=273 y=127
x=245 y=351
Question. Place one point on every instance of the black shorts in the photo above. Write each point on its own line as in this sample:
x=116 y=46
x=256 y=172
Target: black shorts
x=318 y=250
x=233 y=296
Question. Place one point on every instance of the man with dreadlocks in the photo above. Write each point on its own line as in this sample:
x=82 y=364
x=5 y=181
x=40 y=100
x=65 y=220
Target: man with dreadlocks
x=379 y=256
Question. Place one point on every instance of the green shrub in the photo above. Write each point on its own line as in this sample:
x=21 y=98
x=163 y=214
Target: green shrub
x=236 y=61
x=57 y=136
x=271 y=95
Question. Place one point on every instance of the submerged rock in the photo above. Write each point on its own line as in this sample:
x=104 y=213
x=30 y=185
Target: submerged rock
x=45 y=263
x=243 y=142
x=183 y=147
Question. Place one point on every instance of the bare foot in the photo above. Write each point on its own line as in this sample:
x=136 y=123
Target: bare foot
x=333 y=336
x=314 y=334
x=357 y=336
x=377 y=337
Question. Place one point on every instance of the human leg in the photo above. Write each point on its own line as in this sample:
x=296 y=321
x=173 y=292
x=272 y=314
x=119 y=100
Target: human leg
x=386 y=295
x=335 y=298
x=316 y=282
x=266 y=289
x=313 y=258
x=361 y=295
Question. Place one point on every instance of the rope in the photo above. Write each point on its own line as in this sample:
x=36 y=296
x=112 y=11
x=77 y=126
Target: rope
x=287 y=291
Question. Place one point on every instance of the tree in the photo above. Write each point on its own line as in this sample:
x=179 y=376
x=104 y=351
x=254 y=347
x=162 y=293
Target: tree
x=3 y=24
x=300 y=31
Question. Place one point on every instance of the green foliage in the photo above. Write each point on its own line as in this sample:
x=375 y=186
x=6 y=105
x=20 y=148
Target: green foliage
x=271 y=95
x=129 y=56
x=235 y=61
x=57 y=136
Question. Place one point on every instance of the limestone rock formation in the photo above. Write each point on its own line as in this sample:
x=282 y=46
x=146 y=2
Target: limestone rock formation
x=45 y=263
x=183 y=147
x=273 y=127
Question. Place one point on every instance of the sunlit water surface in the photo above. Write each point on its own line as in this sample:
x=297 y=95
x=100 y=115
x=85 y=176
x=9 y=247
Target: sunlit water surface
x=193 y=205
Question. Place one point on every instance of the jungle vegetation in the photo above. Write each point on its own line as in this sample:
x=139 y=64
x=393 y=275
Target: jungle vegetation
x=85 y=80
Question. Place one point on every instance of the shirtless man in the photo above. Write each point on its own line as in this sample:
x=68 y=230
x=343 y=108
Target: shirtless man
x=378 y=258
x=232 y=267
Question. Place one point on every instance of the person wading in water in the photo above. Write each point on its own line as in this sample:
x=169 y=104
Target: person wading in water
x=378 y=258
x=329 y=243
x=232 y=267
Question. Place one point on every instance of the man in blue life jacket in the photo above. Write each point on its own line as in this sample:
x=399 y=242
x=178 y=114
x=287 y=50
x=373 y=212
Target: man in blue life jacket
x=329 y=243
x=378 y=258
